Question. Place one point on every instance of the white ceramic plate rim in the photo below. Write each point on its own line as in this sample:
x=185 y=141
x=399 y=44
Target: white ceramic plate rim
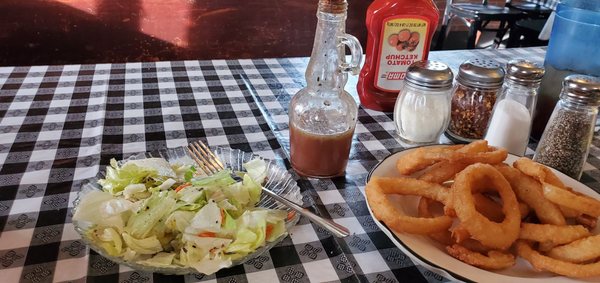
x=431 y=255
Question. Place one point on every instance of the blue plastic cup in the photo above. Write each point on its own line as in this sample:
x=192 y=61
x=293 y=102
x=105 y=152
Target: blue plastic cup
x=574 y=48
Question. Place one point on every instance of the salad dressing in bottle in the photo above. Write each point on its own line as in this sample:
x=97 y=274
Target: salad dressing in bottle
x=399 y=34
x=323 y=115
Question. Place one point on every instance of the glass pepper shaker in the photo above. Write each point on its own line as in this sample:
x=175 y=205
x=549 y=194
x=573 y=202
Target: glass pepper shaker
x=566 y=140
x=422 y=111
x=510 y=124
x=478 y=84
x=323 y=115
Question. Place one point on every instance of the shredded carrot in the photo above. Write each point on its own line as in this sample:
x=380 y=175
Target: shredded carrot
x=207 y=234
x=222 y=215
x=182 y=186
x=268 y=231
x=291 y=215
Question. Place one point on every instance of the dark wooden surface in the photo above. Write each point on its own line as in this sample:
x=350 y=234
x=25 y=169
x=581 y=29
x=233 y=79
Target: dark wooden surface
x=38 y=32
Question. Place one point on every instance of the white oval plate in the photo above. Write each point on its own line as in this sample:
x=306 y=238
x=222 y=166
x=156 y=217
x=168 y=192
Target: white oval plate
x=433 y=256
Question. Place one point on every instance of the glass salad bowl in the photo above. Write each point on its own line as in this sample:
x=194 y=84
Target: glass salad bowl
x=278 y=180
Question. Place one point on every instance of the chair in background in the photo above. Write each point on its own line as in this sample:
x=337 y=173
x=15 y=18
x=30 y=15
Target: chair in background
x=533 y=8
x=478 y=17
x=525 y=32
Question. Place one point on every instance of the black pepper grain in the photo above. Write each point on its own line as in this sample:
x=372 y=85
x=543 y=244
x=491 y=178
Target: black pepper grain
x=565 y=142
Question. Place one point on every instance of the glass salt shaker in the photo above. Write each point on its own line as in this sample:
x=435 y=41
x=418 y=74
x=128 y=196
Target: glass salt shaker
x=323 y=115
x=566 y=140
x=478 y=84
x=422 y=111
x=511 y=120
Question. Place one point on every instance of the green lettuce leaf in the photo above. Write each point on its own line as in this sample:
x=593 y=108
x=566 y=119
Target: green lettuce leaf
x=179 y=220
x=91 y=207
x=154 y=209
x=109 y=240
x=146 y=246
x=253 y=188
x=150 y=171
x=220 y=179
x=257 y=169
x=161 y=259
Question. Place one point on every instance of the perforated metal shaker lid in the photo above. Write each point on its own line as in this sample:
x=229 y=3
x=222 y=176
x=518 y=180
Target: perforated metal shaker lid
x=430 y=74
x=481 y=73
x=582 y=89
x=524 y=71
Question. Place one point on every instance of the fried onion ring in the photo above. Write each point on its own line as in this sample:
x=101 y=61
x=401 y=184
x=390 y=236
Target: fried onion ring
x=442 y=171
x=569 y=212
x=542 y=262
x=578 y=251
x=446 y=170
x=474 y=179
x=493 y=260
x=572 y=200
x=488 y=207
x=529 y=191
x=421 y=158
x=547 y=233
x=379 y=187
x=442 y=237
x=460 y=233
x=538 y=171
x=589 y=222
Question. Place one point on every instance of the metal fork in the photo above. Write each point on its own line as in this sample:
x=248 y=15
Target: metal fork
x=210 y=164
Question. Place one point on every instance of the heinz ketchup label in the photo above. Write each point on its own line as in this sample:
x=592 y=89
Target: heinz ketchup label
x=402 y=43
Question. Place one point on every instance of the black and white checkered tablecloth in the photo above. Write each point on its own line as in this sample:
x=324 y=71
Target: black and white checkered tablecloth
x=60 y=125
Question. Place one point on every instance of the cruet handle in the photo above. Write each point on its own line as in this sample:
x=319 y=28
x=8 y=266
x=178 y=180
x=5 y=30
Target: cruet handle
x=355 y=51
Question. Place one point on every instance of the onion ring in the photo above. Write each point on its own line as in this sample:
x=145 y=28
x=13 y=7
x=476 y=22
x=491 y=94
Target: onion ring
x=572 y=200
x=384 y=210
x=442 y=171
x=524 y=209
x=442 y=237
x=488 y=207
x=589 y=222
x=542 y=262
x=421 y=158
x=569 y=212
x=578 y=251
x=547 y=233
x=472 y=180
x=446 y=170
x=493 y=260
x=529 y=191
x=460 y=233
x=538 y=171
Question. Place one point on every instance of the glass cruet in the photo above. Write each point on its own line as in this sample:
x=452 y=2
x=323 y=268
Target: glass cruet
x=322 y=116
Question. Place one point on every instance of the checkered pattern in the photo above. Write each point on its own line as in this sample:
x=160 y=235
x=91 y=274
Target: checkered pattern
x=60 y=125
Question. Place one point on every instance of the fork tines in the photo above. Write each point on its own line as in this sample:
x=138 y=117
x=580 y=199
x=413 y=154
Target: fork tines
x=206 y=159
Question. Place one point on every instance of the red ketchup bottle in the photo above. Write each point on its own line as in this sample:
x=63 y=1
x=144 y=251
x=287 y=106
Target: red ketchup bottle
x=400 y=33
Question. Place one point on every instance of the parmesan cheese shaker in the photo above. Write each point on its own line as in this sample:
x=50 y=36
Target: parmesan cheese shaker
x=566 y=141
x=511 y=120
x=422 y=111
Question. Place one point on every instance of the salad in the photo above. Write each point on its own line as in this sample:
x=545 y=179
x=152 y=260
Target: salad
x=159 y=214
